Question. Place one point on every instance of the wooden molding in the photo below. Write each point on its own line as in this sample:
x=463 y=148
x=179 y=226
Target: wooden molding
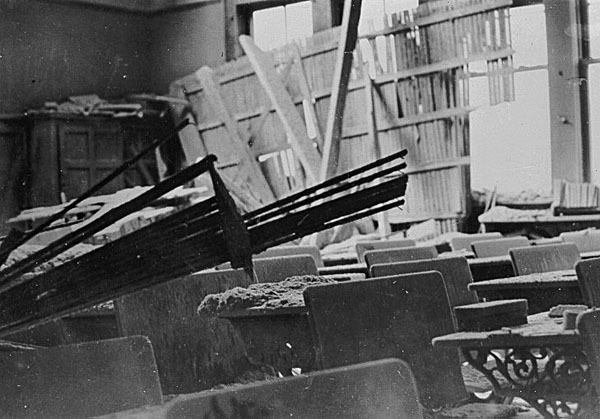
x=137 y=6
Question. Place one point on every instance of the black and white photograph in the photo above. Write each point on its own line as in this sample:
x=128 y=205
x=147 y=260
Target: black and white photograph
x=324 y=209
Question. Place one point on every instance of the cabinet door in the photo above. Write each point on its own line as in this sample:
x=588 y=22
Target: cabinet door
x=136 y=136
x=44 y=163
x=88 y=153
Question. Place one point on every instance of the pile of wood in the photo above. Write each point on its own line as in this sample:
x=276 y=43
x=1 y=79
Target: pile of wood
x=199 y=237
x=576 y=195
x=93 y=207
x=280 y=120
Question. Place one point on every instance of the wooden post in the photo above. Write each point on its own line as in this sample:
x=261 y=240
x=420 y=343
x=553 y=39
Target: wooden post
x=191 y=143
x=233 y=27
x=382 y=217
x=341 y=77
x=293 y=124
x=248 y=166
x=569 y=139
x=308 y=102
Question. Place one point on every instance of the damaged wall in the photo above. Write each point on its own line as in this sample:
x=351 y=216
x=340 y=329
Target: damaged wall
x=184 y=40
x=50 y=51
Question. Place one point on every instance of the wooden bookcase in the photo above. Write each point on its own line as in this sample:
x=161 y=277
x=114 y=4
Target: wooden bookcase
x=70 y=153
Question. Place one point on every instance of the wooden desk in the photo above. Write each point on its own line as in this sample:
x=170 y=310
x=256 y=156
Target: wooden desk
x=501 y=266
x=542 y=363
x=546 y=225
x=354 y=268
x=542 y=291
x=482 y=269
x=336 y=259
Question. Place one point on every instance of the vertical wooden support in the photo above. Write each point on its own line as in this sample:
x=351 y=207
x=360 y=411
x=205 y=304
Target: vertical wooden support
x=233 y=28
x=308 y=102
x=323 y=15
x=191 y=143
x=383 y=227
x=294 y=126
x=248 y=166
x=341 y=78
x=569 y=140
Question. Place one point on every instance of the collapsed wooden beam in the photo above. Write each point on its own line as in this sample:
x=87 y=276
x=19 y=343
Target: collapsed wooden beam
x=194 y=150
x=195 y=239
x=294 y=126
x=341 y=78
x=248 y=168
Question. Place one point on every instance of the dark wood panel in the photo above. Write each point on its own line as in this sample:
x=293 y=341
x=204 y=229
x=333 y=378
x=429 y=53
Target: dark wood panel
x=13 y=171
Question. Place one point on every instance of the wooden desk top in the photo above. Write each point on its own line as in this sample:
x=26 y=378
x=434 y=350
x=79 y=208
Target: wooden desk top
x=334 y=259
x=343 y=269
x=541 y=330
x=556 y=279
x=498 y=260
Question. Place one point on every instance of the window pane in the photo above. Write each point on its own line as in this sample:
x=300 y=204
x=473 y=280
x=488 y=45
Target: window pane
x=374 y=10
x=528 y=32
x=268 y=27
x=510 y=142
x=594 y=98
x=594 y=28
x=276 y=26
x=299 y=20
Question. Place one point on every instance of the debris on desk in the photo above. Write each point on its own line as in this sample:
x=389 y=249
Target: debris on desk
x=559 y=310
x=505 y=214
x=94 y=105
x=95 y=206
x=267 y=295
x=27 y=250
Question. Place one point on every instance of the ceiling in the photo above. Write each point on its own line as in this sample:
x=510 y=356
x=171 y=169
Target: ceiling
x=140 y=6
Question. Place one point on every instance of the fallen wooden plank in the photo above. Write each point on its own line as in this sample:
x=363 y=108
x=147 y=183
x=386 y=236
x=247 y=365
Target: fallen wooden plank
x=293 y=124
x=194 y=149
x=248 y=167
x=341 y=78
x=308 y=101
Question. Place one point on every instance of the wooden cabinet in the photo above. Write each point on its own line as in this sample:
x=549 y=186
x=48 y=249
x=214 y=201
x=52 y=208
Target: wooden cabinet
x=69 y=154
x=13 y=168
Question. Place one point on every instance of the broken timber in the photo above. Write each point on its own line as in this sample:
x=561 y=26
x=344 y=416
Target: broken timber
x=341 y=78
x=191 y=240
x=294 y=126
x=248 y=167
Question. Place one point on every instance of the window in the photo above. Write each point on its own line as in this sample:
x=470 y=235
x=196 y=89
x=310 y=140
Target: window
x=593 y=90
x=510 y=142
x=274 y=27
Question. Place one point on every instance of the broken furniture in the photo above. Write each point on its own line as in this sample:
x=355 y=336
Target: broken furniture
x=198 y=237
